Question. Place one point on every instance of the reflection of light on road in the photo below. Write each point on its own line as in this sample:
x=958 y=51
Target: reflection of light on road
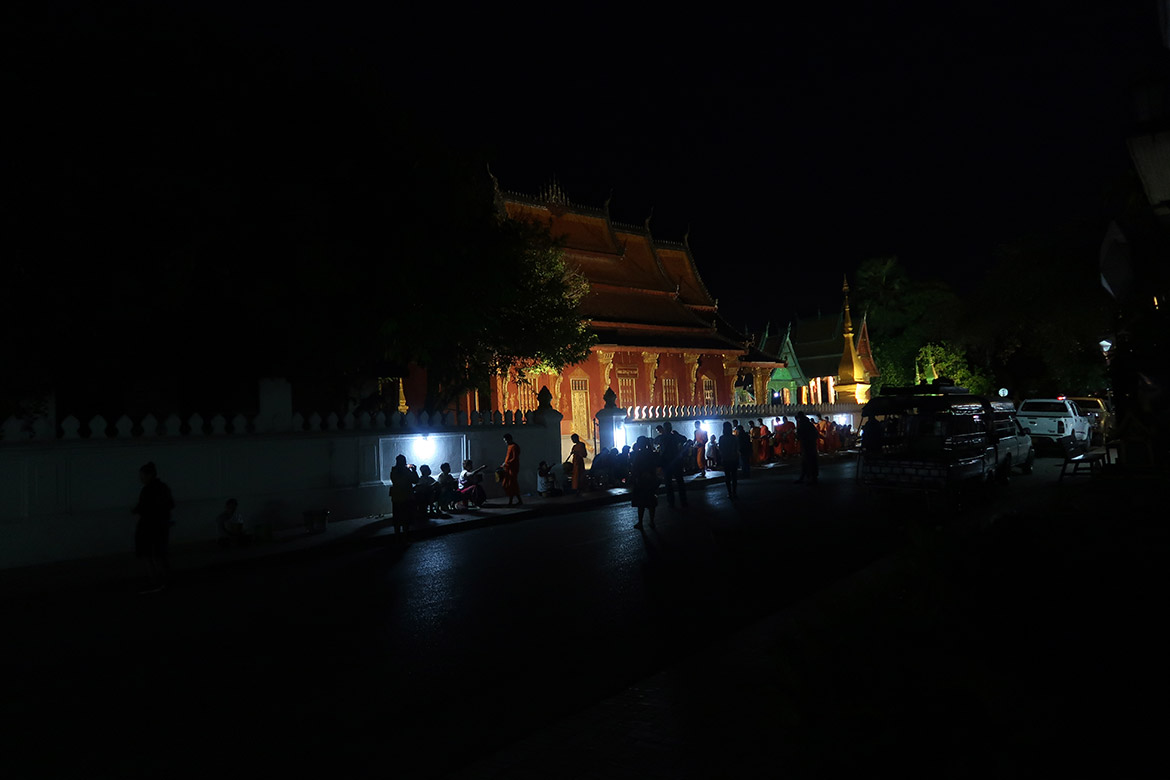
x=431 y=593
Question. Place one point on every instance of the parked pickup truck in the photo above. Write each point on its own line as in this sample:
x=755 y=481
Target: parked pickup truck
x=1100 y=416
x=1049 y=419
x=939 y=436
x=1013 y=442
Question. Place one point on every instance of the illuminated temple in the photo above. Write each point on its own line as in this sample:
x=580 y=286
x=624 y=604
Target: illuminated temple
x=823 y=360
x=661 y=339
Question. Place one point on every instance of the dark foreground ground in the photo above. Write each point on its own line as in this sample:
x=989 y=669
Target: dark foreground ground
x=1030 y=646
x=1021 y=637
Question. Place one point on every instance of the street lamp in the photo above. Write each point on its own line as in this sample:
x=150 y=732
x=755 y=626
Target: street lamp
x=1106 y=345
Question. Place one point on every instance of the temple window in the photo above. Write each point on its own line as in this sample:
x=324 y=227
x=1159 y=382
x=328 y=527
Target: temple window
x=669 y=391
x=708 y=391
x=627 y=395
x=582 y=412
x=527 y=397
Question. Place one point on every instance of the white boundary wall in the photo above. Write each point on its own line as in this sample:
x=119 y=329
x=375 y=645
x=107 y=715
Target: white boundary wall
x=70 y=497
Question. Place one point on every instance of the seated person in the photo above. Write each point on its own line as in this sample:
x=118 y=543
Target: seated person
x=425 y=491
x=470 y=490
x=446 y=485
x=617 y=468
x=546 y=480
x=599 y=473
x=231 y=525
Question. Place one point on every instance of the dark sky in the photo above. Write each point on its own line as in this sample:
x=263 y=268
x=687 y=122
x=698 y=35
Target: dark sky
x=792 y=147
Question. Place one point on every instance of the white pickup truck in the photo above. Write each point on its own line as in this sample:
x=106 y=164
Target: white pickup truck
x=1054 y=418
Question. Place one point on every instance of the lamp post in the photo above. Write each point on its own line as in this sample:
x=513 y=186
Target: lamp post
x=1106 y=345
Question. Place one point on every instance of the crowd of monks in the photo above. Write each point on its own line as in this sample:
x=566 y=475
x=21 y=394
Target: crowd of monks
x=779 y=441
x=766 y=444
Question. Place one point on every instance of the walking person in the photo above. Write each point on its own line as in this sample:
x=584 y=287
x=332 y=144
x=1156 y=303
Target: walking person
x=729 y=459
x=510 y=478
x=402 y=481
x=153 y=530
x=577 y=455
x=809 y=437
x=670 y=445
x=644 y=480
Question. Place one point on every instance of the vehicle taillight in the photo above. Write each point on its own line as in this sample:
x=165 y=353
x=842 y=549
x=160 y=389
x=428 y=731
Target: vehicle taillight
x=1060 y=426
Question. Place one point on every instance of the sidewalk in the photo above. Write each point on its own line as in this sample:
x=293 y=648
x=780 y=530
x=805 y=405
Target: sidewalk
x=186 y=558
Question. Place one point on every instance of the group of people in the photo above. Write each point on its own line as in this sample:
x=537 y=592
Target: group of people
x=416 y=493
x=781 y=441
x=736 y=448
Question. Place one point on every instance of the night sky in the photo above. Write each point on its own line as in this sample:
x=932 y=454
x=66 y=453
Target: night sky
x=791 y=148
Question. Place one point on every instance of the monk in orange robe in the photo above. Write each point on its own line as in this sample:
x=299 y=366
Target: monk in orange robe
x=510 y=481
x=765 y=443
x=787 y=433
x=578 y=454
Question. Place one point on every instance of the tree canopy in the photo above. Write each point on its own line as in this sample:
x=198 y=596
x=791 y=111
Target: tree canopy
x=1031 y=324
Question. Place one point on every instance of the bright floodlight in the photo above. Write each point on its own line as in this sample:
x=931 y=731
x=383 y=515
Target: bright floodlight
x=423 y=448
x=1106 y=345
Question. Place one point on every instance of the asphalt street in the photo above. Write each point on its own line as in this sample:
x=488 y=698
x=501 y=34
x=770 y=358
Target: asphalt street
x=427 y=658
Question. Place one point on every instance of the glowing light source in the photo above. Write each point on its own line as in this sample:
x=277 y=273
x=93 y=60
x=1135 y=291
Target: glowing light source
x=619 y=435
x=423 y=448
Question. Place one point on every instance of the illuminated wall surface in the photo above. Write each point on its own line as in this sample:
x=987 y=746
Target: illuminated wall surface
x=430 y=449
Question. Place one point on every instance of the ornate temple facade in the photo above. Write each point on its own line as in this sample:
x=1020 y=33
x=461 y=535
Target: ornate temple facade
x=661 y=339
x=824 y=360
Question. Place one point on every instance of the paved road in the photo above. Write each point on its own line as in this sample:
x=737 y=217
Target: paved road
x=418 y=660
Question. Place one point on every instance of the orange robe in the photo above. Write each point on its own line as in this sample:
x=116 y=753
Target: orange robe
x=511 y=480
x=787 y=434
x=578 y=454
x=765 y=441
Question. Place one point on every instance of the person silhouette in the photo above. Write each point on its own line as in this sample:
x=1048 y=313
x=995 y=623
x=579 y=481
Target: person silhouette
x=643 y=479
x=809 y=437
x=510 y=479
x=402 y=481
x=729 y=459
x=153 y=529
x=670 y=445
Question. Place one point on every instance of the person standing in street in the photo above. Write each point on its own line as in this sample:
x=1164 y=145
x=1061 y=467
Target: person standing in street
x=644 y=480
x=729 y=459
x=809 y=437
x=670 y=444
x=744 y=439
x=153 y=530
x=510 y=480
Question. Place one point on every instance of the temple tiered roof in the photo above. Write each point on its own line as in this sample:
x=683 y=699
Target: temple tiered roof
x=644 y=293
